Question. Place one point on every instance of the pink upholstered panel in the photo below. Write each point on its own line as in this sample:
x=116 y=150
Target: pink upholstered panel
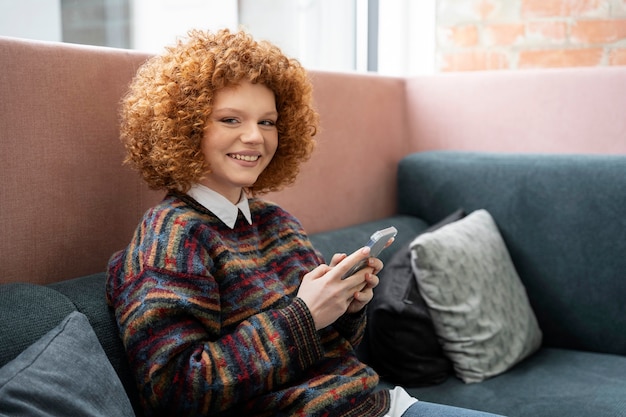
x=351 y=177
x=66 y=202
x=580 y=110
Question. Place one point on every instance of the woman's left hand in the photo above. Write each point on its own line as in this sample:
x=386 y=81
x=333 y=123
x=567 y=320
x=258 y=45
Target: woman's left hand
x=366 y=292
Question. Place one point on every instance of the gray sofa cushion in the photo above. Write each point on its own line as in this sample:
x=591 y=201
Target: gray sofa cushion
x=28 y=311
x=64 y=373
x=552 y=382
x=87 y=294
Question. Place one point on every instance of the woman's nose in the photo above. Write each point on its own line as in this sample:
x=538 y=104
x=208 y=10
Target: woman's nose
x=252 y=134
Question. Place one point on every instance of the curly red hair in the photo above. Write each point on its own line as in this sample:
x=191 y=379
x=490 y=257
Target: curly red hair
x=165 y=112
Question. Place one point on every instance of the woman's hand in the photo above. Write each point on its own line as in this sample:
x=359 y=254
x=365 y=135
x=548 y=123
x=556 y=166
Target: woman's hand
x=364 y=296
x=328 y=296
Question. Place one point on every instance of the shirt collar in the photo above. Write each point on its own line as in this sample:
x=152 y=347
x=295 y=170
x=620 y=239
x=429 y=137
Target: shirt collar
x=219 y=205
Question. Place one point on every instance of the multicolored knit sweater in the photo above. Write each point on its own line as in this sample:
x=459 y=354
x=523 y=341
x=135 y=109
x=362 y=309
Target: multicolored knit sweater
x=212 y=326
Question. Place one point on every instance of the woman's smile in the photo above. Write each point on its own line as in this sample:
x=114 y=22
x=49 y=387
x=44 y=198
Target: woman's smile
x=244 y=157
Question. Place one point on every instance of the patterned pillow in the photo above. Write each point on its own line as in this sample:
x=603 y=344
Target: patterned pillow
x=478 y=303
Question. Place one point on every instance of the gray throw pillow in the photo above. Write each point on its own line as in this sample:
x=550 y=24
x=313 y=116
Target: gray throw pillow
x=478 y=304
x=65 y=373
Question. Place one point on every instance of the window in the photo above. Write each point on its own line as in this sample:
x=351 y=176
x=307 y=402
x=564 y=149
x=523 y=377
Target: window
x=393 y=37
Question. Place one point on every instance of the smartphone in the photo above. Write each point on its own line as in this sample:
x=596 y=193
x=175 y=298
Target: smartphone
x=378 y=242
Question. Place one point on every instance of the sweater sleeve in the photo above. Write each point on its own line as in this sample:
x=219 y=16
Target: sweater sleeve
x=170 y=326
x=352 y=327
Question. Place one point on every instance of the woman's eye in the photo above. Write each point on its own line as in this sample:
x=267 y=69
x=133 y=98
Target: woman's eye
x=229 y=120
x=268 y=123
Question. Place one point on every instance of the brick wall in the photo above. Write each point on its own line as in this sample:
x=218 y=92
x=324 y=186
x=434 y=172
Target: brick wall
x=519 y=34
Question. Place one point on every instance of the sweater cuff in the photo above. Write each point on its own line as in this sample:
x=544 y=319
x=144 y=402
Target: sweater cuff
x=306 y=343
x=351 y=323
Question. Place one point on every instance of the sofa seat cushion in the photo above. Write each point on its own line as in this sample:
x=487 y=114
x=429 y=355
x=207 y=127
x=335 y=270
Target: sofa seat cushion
x=552 y=382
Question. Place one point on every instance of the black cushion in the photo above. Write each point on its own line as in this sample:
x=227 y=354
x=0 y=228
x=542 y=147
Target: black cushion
x=404 y=346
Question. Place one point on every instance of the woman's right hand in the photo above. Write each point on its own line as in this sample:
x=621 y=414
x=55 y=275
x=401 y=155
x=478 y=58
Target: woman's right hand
x=327 y=295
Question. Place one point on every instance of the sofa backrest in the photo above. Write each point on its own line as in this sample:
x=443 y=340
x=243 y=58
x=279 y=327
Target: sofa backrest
x=66 y=201
x=562 y=219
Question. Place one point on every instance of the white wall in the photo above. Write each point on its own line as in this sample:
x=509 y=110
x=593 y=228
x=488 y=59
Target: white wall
x=32 y=19
x=406 y=37
x=157 y=23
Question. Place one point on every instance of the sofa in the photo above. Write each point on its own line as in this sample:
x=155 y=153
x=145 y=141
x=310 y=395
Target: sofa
x=542 y=153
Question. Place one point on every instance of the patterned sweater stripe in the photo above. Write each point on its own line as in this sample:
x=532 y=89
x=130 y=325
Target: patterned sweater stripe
x=212 y=326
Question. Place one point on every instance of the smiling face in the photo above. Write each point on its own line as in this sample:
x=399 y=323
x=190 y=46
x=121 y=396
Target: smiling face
x=240 y=139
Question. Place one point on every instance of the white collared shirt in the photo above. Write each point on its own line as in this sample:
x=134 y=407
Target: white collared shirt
x=219 y=205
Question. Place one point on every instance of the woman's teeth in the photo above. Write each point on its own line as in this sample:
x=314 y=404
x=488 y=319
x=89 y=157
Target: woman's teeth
x=248 y=158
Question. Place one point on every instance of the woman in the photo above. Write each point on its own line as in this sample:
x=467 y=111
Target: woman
x=223 y=305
